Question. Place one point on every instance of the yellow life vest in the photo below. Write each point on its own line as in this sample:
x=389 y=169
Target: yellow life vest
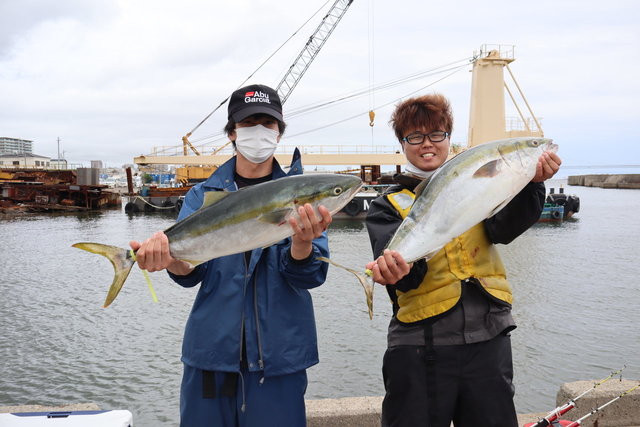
x=469 y=255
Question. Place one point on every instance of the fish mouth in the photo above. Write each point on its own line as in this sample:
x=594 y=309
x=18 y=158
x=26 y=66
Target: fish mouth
x=550 y=146
x=354 y=190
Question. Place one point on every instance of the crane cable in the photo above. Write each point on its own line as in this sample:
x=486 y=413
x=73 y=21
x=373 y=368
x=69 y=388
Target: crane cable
x=310 y=108
x=457 y=69
x=388 y=85
x=370 y=34
x=324 y=104
x=257 y=69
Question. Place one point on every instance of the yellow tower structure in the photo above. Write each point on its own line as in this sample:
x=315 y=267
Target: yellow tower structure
x=487 y=121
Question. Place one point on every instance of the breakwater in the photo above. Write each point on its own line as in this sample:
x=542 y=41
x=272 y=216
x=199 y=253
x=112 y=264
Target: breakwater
x=631 y=181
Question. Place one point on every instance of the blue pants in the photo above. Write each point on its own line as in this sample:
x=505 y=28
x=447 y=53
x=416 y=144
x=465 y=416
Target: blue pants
x=253 y=401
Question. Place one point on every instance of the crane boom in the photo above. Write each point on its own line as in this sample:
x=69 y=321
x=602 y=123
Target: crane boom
x=311 y=48
x=299 y=66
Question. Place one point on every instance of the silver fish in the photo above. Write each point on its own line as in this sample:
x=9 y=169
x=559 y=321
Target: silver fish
x=466 y=190
x=238 y=221
x=463 y=192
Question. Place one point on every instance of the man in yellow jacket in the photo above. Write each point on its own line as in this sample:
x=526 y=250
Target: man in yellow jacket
x=449 y=350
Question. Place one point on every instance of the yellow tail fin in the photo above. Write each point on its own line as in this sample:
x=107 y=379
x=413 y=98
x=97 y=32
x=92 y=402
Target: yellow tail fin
x=121 y=261
x=363 y=278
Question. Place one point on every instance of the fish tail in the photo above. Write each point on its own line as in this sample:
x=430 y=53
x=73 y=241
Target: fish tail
x=364 y=278
x=121 y=260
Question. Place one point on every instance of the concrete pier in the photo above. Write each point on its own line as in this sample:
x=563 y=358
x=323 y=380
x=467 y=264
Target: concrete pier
x=365 y=411
x=631 y=181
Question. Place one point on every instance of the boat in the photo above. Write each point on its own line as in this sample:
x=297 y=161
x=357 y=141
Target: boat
x=358 y=207
x=153 y=198
x=559 y=206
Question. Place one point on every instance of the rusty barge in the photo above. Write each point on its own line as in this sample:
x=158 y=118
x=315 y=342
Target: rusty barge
x=37 y=190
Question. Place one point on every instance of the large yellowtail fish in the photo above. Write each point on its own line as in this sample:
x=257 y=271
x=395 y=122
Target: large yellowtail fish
x=463 y=192
x=238 y=221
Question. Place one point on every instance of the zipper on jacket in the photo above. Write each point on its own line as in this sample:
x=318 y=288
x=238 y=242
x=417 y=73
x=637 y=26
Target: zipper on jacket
x=244 y=295
x=255 y=309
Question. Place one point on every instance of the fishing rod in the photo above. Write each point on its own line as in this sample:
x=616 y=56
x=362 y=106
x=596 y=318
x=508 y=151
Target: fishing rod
x=560 y=410
x=599 y=408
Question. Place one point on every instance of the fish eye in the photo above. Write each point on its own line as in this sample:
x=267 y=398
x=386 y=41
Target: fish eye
x=337 y=190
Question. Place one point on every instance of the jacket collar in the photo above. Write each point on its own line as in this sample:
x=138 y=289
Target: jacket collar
x=407 y=181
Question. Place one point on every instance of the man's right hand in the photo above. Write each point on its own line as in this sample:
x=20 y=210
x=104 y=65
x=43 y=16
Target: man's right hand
x=153 y=255
x=389 y=268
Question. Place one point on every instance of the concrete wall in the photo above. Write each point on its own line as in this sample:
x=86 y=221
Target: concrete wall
x=365 y=411
x=623 y=412
x=631 y=181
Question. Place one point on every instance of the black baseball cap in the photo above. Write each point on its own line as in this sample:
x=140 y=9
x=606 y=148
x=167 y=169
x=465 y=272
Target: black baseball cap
x=254 y=99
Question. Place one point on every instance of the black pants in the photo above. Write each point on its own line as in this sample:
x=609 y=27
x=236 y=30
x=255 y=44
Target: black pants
x=471 y=385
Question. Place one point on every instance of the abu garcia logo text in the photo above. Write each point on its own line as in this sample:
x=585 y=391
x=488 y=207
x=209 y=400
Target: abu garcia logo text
x=256 y=96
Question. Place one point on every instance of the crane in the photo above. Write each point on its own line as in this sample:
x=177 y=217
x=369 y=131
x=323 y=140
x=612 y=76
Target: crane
x=299 y=66
x=311 y=48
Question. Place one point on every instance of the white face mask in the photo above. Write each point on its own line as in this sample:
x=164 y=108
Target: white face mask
x=256 y=143
x=414 y=170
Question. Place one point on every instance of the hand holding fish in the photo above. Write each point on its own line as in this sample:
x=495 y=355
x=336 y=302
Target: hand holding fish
x=153 y=255
x=388 y=268
x=548 y=164
x=308 y=227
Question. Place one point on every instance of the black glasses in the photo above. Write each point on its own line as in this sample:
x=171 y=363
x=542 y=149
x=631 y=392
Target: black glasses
x=418 y=138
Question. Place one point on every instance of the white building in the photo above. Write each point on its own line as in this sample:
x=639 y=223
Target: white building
x=58 y=164
x=24 y=160
x=15 y=145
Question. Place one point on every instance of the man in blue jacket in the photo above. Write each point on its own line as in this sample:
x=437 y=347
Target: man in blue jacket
x=251 y=333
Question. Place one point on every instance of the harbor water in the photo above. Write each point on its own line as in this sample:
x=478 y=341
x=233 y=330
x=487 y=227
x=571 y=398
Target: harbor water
x=576 y=306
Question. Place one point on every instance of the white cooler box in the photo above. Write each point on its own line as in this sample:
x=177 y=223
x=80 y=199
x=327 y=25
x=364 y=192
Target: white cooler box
x=120 y=418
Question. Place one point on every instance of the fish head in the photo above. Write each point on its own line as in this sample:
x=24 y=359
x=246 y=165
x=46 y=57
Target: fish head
x=333 y=191
x=523 y=153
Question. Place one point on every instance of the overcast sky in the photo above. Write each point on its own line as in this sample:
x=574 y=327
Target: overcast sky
x=115 y=78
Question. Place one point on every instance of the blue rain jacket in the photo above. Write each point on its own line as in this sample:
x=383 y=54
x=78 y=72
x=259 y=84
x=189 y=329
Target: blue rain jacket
x=267 y=299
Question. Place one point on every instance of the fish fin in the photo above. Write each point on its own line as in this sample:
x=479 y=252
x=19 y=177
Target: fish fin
x=121 y=261
x=276 y=217
x=213 y=197
x=367 y=284
x=489 y=170
x=420 y=187
x=363 y=278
